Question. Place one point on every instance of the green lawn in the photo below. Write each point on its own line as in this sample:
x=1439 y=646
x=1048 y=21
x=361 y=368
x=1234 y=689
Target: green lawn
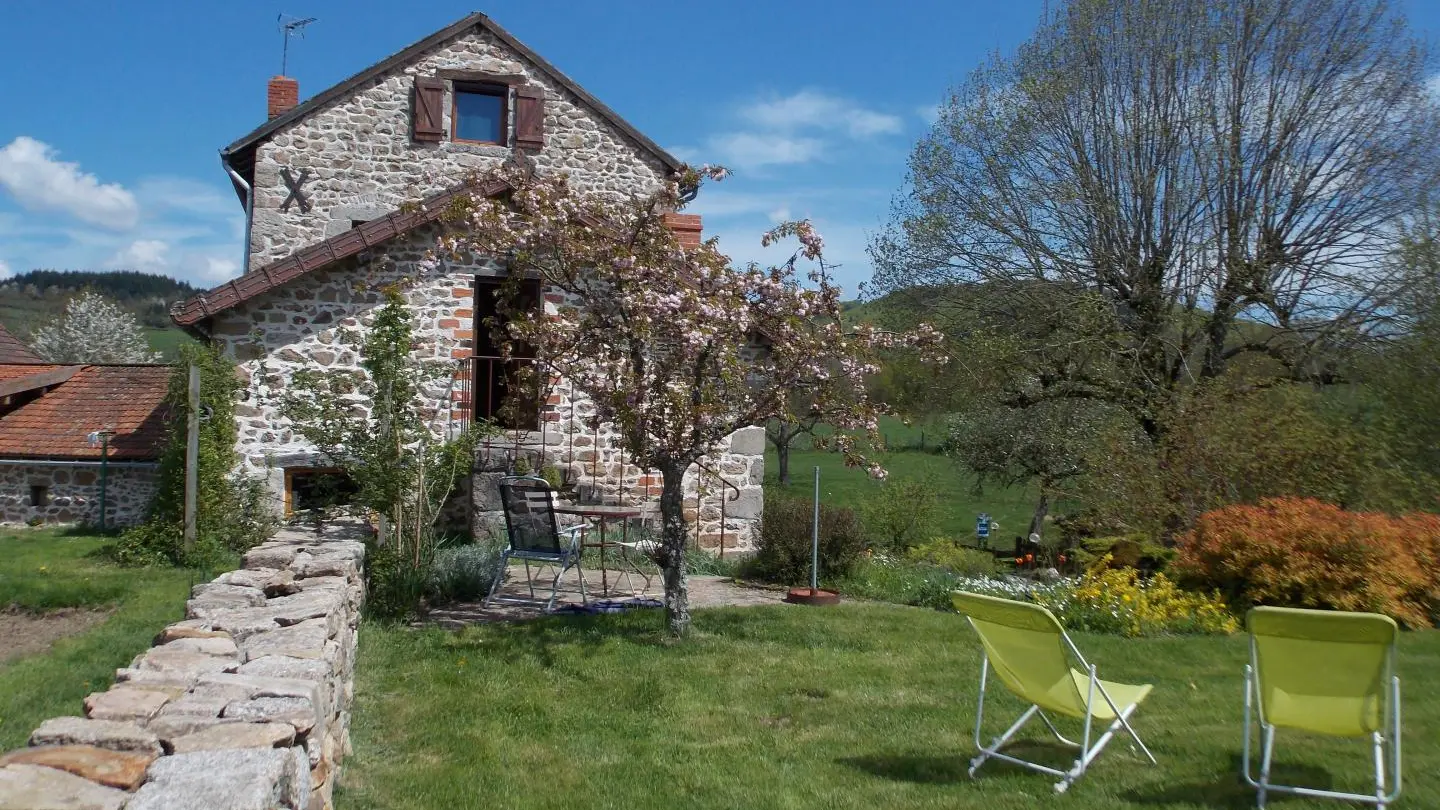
x=44 y=570
x=862 y=706
x=959 y=501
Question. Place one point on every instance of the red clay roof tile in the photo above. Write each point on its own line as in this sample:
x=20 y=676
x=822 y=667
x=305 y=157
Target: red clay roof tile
x=13 y=351
x=128 y=399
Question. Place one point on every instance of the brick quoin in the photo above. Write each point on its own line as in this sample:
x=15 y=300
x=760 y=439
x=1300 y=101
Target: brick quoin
x=462 y=292
x=448 y=323
x=686 y=227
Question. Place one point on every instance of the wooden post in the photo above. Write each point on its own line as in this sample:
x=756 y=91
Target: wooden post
x=192 y=457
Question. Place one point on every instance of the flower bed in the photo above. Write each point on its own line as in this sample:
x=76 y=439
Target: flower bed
x=1117 y=601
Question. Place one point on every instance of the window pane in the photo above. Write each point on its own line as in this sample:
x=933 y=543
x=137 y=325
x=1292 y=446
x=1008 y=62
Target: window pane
x=478 y=117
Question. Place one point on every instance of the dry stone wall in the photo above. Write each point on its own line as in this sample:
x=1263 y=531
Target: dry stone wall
x=71 y=493
x=244 y=705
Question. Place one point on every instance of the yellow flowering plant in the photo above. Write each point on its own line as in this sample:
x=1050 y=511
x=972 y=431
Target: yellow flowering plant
x=1119 y=600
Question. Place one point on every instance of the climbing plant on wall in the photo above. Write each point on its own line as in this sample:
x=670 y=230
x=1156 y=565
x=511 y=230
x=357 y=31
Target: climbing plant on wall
x=231 y=513
x=373 y=423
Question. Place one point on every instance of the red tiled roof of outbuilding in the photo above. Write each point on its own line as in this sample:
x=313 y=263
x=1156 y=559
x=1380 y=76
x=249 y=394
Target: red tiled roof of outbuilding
x=127 y=399
x=13 y=351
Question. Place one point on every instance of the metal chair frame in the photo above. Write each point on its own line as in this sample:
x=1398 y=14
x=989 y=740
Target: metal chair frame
x=567 y=557
x=1088 y=752
x=1389 y=735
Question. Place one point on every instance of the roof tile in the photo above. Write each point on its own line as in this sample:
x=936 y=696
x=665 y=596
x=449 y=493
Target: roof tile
x=14 y=351
x=129 y=399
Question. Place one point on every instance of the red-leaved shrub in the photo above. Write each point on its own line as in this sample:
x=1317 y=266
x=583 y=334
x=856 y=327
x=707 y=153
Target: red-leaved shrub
x=1299 y=552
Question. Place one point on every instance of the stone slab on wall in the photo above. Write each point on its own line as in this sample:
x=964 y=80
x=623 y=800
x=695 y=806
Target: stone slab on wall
x=244 y=705
x=73 y=493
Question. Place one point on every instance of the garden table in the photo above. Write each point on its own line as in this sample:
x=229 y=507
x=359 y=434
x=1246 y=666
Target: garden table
x=601 y=515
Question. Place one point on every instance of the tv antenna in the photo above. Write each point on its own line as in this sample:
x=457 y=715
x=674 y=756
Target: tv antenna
x=289 y=26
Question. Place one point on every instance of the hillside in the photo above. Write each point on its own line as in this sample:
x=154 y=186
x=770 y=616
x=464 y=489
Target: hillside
x=31 y=300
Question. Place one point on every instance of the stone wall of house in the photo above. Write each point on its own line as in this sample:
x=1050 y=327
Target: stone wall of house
x=244 y=705
x=305 y=324
x=72 y=493
x=362 y=162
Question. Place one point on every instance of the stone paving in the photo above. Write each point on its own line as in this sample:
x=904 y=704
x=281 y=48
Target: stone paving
x=705 y=592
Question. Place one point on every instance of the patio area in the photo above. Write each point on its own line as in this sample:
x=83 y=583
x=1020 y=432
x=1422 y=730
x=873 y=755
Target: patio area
x=705 y=592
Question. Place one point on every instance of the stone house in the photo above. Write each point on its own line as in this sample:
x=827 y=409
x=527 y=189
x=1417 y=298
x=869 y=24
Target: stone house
x=342 y=195
x=50 y=471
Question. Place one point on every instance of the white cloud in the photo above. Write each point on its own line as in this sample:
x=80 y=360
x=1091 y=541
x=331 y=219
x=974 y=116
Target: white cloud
x=215 y=269
x=31 y=171
x=5 y=269
x=169 y=193
x=146 y=255
x=929 y=113
x=803 y=127
x=751 y=150
x=1432 y=85
x=810 y=109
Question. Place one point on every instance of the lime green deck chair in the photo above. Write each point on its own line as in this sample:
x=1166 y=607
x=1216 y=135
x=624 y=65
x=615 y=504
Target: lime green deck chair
x=1324 y=672
x=1038 y=662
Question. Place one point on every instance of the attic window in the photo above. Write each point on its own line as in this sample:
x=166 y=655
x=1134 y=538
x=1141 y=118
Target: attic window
x=478 y=114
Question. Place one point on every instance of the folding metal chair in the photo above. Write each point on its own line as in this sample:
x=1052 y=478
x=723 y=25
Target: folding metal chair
x=1032 y=656
x=534 y=534
x=1326 y=672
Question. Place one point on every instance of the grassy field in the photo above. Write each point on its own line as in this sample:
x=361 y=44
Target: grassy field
x=960 y=502
x=167 y=342
x=861 y=706
x=50 y=570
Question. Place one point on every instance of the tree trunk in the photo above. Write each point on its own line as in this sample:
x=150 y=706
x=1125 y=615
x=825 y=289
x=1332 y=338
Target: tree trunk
x=674 y=538
x=782 y=458
x=1042 y=508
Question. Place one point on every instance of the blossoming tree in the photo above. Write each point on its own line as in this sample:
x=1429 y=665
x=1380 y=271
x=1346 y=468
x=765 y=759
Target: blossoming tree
x=676 y=348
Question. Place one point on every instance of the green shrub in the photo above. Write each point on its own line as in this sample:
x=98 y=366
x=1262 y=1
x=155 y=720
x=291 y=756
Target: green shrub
x=900 y=581
x=900 y=514
x=783 y=552
x=463 y=573
x=232 y=510
x=1135 y=550
x=704 y=562
x=394 y=585
x=951 y=555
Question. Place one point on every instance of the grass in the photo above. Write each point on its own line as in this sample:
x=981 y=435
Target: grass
x=43 y=570
x=167 y=342
x=960 y=503
x=860 y=706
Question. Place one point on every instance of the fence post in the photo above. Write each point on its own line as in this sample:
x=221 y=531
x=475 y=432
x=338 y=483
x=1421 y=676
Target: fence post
x=192 y=457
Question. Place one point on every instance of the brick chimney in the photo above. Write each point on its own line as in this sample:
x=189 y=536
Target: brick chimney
x=686 y=228
x=281 y=94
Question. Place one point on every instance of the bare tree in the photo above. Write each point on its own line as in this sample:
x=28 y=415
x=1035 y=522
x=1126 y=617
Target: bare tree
x=1224 y=177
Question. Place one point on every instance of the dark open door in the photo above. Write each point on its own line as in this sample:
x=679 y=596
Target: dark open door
x=496 y=379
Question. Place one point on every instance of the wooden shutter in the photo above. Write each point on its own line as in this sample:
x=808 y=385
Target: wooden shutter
x=429 y=121
x=530 y=117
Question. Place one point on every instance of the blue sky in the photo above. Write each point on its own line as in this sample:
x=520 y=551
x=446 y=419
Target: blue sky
x=114 y=113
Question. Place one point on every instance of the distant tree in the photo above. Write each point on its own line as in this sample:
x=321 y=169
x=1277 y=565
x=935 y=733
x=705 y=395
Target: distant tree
x=1217 y=181
x=782 y=434
x=1405 y=370
x=93 y=329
